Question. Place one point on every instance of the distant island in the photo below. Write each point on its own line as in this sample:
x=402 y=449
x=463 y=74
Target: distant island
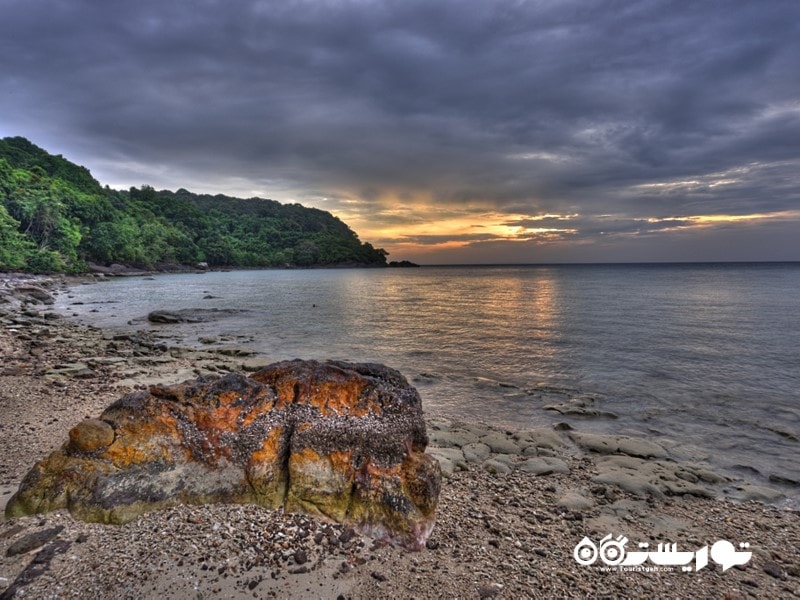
x=402 y=264
x=56 y=218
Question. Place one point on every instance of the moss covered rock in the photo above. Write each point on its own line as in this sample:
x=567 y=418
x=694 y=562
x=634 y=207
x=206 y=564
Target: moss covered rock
x=338 y=440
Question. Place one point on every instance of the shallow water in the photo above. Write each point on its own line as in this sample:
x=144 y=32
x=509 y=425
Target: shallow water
x=702 y=358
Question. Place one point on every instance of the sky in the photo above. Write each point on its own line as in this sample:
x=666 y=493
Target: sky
x=444 y=131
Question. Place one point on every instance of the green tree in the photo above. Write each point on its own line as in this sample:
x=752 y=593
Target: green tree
x=14 y=247
x=57 y=217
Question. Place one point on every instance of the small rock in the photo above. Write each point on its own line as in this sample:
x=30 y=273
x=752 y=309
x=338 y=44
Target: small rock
x=165 y=316
x=490 y=591
x=347 y=535
x=256 y=364
x=378 y=576
x=300 y=556
x=495 y=466
x=774 y=569
x=574 y=501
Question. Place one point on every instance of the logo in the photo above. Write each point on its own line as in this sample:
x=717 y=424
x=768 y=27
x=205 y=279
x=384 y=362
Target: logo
x=612 y=552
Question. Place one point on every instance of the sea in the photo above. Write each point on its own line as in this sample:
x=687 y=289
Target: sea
x=702 y=358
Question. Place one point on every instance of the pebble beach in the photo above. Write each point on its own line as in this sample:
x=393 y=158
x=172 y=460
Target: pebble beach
x=514 y=504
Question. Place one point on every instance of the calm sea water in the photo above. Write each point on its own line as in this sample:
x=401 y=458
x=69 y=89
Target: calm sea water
x=702 y=358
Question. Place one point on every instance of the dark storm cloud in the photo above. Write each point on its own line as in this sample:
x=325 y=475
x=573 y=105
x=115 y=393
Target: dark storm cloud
x=638 y=109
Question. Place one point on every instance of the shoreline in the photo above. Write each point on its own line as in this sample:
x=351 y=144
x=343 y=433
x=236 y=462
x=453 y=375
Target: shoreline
x=513 y=506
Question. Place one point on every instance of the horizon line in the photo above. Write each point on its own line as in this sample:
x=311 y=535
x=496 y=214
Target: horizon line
x=620 y=263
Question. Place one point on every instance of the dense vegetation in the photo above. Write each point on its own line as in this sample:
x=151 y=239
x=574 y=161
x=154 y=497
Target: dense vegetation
x=55 y=217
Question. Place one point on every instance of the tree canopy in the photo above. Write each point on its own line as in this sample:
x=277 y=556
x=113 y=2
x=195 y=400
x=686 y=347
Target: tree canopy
x=55 y=217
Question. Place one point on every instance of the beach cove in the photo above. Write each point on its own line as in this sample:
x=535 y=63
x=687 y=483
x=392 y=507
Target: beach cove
x=515 y=503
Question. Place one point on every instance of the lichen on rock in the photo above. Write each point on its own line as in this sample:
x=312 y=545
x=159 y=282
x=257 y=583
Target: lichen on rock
x=338 y=440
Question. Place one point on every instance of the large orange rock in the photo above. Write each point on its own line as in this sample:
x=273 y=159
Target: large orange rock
x=337 y=440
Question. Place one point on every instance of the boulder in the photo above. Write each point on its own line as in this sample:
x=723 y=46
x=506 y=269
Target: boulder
x=190 y=315
x=166 y=316
x=337 y=440
x=35 y=293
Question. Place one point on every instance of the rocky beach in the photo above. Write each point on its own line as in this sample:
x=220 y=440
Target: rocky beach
x=514 y=504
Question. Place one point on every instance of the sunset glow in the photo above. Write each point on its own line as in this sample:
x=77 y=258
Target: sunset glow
x=494 y=132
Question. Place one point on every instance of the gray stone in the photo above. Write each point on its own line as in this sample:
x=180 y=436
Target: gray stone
x=496 y=466
x=708 y=476
x=256 y=364
x=500 y=443
x=544 y=466
x=235 y=351
x=451 y=439
x=573 y=500
x=506 y=459
x=579 y=410
x=758 y=493
x=618 y=444
x=630 y=482
x=34 y=292
x=450 y=459
x=648 y=477
x=165 y=316
x=68 y=369
x=477 y=452
x=541 y=438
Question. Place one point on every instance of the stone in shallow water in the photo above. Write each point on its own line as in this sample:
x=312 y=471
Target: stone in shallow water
x=337 y=440
x=621 y=444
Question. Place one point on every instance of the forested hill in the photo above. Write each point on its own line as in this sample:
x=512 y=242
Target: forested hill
x=55 y=217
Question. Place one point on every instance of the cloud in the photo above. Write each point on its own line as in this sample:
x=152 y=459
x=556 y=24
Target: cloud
x=392 y=112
